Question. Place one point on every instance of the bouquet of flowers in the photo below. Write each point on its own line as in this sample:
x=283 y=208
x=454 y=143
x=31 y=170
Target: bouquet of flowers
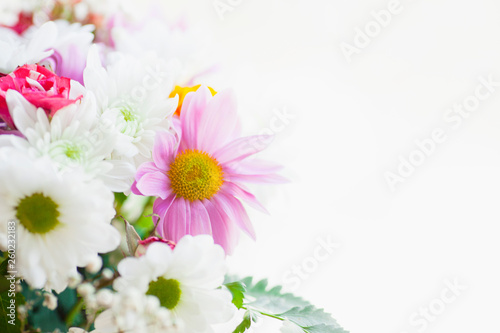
x=122 y=180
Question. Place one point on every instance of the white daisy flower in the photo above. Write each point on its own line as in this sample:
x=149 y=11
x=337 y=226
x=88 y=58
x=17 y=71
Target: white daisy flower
x=20 y=50
x=186 y=281
x=132 y=94
x=132 y=311
x=73 y=139
x=62 y=221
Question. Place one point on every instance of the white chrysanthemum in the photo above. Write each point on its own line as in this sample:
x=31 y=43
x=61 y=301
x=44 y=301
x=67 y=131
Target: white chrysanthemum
x=132 y=94
x=185 y=44
x=73 y=139
x=63 y=221
x=19 y=50
x=186 y=280
x=56 y=44
x=132 y=311
x=70 y=48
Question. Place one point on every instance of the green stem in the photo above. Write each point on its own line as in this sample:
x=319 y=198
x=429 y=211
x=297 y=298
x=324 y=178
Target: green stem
x=265 y=314
x=74 y=312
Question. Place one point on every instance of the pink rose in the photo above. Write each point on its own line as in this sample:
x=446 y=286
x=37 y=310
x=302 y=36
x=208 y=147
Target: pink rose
x=40 y=87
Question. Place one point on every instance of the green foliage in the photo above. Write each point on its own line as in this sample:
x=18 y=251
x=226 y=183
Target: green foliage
x=4 y=283
x=40 y=317
x=238 y=290
x=271 y=300
x=259 y=300
x=312 y=319
x=144 y=224
x=132 y=238
x=248 y=318
x=9 y=321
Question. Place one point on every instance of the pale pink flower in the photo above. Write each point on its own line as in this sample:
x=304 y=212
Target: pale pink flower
x=197 y=174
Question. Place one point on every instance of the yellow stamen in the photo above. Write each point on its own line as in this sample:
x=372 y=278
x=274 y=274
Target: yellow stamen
x=195 y=175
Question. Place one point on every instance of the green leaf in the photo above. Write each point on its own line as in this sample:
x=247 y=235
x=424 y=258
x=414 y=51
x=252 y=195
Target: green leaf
x=238 y=290
x=323 y=329
x=3 y=267
x=248 y=318
x=312 y=320
x=144 y=225
x=120 y=198
x=272 y=300
x=132 y=237
x=9 y=323
x=273 y=303
x=40 y=317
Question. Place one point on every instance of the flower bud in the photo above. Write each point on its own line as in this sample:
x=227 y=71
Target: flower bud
x=50 y=301
x=144 y=244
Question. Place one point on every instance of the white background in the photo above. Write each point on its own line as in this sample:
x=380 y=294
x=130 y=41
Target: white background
x=352 y=122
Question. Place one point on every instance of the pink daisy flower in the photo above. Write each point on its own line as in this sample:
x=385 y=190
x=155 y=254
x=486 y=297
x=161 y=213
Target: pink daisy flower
x=197 y=175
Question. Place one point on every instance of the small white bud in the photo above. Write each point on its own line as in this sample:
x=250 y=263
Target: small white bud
x=49 y=301
x=22 y=311
x=91 y=303
x=104 y=298
x=76 y=330
x=85 y=289
x=94 y=265
x=107 y=274
x=74 y=280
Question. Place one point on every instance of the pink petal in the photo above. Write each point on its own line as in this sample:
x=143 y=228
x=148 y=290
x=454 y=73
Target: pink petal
x=200 y=220
x=258 y=179
x=192 y=110
x=174 y=224
x=236 y=212
x=160 y=208
x=223 y=230
x=154 y=184
x=144 y=168
x=239 y=192
x=242 y=148
x=217 y=121
x=134 y=188
x=164 y=150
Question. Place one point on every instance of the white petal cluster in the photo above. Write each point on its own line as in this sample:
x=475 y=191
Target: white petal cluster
x=198 y=265
x=69 y=43
x=132 y=95
x=73 y=139
x=133 y=312
x=18 y=50
x=85 y=208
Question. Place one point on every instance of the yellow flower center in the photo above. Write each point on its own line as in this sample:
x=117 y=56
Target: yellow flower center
x=38 y=214
x=168 y=292
x=195 y=175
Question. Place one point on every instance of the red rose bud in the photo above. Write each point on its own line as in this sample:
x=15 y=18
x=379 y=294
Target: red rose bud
x=144 y=244
x=39 y=86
